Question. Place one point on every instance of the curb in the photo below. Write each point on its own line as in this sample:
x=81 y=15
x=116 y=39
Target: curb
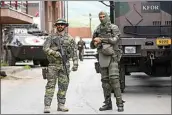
x=10 y=72
x=13 y=70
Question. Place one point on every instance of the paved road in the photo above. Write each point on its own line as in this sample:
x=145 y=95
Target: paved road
x=144 y=95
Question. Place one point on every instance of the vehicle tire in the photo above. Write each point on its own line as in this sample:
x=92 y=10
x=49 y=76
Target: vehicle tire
x=122 y=77
x=35 y=62
x=44 y=63
x=11 y=59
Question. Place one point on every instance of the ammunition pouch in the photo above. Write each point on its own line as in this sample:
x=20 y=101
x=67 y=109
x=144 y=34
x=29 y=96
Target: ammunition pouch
x=97 y=67
x=107 y=50
x=44 y=72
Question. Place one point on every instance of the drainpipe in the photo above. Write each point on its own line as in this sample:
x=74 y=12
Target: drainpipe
x=26 y=7
x=112 y=11
x=42 y=15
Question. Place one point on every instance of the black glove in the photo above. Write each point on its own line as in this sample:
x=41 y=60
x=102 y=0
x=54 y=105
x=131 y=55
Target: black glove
x=75 y=67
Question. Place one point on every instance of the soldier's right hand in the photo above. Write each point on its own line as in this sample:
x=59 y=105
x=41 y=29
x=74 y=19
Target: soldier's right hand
x=93 y=44
x=75 y=68
x=96 y=43
x=49 y=51
x=57 y=54
x=54 y=53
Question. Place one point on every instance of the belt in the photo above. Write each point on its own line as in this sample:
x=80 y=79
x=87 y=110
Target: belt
x=51 y=64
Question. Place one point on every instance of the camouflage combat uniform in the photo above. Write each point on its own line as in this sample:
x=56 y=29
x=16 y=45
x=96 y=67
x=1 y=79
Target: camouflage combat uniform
x=81 y=45
x=108 y=34
x=56 y=69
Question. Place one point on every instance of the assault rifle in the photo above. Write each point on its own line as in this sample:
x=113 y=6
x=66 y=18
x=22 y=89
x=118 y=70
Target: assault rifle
x=57 y=41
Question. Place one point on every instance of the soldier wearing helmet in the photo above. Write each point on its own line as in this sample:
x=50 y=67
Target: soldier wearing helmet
x=56 y=70
x=105 y=39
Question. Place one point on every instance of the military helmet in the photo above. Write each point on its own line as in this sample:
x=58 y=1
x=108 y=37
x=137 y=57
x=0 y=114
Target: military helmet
x=61 y=21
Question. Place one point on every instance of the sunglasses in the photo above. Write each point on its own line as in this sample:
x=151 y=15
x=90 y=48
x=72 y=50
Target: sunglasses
x=60 y=24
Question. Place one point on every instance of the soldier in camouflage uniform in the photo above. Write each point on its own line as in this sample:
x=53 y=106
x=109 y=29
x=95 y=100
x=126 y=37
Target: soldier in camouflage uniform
x=56 y=69
x=105 y=39
x=81 y=45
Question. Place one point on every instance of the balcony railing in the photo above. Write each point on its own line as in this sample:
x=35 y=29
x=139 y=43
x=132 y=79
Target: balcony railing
x=15 y=5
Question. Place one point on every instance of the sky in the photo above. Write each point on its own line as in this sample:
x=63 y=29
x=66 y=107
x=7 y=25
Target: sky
x=78 y=12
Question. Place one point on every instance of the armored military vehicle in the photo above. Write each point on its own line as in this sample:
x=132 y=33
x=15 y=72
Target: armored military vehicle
x=146 y=31
x=24 y=42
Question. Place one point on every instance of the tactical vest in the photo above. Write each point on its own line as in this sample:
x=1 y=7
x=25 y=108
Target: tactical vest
x=106 y=51
x=65 y=43
x=106 y=33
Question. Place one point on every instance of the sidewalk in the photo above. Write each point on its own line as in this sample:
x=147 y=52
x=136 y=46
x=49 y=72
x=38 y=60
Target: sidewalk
x=12 y=70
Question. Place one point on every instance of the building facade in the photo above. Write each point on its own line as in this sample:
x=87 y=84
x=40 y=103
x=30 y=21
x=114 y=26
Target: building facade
x=49 y=12
x=14 y=12
x=33 y=8
x=82 y=32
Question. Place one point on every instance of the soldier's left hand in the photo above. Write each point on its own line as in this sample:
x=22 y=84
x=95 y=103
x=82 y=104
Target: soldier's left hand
x=97 y=40
x=75 y=68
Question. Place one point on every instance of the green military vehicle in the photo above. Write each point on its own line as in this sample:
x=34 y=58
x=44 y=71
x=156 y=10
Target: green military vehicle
x=24 y=42
x=146 y=31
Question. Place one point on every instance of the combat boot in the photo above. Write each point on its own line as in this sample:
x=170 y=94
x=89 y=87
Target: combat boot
x=106 y=106
x=120 y=107
x=47 y=109
x=62 y=108
x=120 y=104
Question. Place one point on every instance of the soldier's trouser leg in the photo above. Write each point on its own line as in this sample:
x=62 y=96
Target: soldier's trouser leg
x=106 y=90
x=63 y=83
x=50 y=86
x=81 y=55
x=115 y=84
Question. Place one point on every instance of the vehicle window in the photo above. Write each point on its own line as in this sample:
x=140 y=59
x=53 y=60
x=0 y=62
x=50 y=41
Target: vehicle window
x=87 y=42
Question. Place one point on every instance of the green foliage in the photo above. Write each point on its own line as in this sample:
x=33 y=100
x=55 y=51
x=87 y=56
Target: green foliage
x=27 y=67
x=4 y=64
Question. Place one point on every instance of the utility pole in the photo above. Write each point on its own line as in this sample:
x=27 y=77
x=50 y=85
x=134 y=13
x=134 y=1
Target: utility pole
x=26 y=7
x=90 y=17
x=67 y=10
x=64 y=11
x=42 y=15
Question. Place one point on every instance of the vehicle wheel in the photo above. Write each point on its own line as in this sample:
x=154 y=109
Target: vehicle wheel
x=35 y=62
x=11 y=59
x=122 y=77
x=44 y=63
